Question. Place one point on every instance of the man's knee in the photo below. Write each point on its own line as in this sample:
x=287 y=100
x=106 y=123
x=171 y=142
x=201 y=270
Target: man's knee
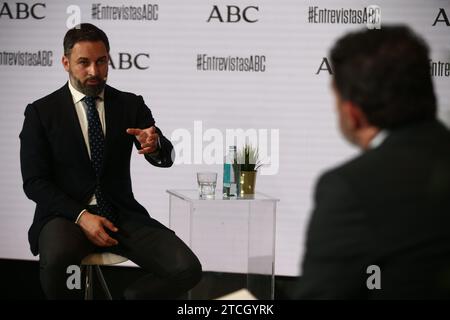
x=189 y=271
x=180 y=279
x=196 y=271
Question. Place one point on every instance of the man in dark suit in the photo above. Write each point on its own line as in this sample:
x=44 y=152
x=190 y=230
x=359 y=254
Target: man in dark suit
x=381 y=224
x=75 y=155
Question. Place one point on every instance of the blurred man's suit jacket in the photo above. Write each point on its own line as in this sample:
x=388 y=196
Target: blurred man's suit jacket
x=388 y=207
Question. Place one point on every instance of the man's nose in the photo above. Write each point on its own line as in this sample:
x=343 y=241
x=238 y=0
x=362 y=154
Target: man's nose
x=93 y=69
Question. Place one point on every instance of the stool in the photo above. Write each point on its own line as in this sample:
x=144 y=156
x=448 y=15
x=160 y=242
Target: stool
x=96 y=260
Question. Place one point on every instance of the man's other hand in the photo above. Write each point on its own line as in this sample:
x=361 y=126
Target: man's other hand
x=148 y=138
x=93 y=227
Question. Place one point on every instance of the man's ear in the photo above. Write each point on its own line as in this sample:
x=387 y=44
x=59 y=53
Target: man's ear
x=65 y=62
x=354 y=115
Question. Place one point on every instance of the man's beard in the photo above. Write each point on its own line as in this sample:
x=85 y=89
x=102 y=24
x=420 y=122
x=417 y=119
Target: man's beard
x=90 y=90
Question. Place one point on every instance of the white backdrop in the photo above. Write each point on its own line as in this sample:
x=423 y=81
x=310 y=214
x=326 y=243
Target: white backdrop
x=289 y=96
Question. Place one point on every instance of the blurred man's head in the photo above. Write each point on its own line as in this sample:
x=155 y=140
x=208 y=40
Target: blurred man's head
x=86 y=57
x=382 y=80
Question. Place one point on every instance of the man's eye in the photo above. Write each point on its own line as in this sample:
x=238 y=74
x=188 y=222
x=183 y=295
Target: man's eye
x=101 y=62
x=84 y=63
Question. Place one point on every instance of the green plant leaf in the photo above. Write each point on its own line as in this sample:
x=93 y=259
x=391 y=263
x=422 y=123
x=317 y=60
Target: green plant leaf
x=248 y=158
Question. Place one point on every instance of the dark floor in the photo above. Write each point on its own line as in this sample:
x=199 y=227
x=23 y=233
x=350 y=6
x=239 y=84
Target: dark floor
x=20 y=280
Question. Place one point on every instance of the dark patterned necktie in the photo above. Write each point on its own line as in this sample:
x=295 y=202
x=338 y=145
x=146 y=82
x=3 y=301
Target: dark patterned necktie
x=97 y=144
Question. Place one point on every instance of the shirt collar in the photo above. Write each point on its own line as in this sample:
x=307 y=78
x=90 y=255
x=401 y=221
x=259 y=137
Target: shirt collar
x=78 y=96
x=378 y=139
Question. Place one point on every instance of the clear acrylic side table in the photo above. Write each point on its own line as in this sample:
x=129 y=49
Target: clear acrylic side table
x=229 y=235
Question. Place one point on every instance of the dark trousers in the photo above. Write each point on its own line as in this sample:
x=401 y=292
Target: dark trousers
x=173 y=268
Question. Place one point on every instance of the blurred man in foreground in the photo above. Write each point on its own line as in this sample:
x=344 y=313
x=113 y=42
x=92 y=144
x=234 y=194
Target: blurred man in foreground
x=381 y=224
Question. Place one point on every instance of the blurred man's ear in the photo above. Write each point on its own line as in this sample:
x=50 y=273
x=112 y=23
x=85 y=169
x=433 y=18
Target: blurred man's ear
x=355 y=126
x=65 y=62
x=352 y=121
x=354 y=115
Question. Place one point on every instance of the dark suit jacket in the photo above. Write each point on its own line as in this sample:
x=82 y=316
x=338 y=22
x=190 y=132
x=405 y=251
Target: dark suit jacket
x=388 y=207
x=56 y=169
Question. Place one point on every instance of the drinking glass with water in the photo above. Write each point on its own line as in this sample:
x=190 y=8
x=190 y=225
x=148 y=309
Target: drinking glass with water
x=207 y=184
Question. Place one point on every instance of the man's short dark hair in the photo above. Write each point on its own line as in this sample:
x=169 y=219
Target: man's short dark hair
x=83 y=32
x=386 y=73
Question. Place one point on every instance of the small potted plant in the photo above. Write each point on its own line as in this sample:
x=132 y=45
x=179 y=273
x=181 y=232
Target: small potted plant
x=248 y=164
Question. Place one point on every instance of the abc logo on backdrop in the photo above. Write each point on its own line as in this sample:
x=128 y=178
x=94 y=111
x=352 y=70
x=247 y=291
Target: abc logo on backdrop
x=233 y=14
x=22 y=10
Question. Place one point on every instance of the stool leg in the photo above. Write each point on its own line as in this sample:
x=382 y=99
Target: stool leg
x=89 y=290
x=103 y=282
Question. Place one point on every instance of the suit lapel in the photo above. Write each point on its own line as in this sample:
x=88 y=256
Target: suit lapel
x=113 y=119
x=72 y=123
